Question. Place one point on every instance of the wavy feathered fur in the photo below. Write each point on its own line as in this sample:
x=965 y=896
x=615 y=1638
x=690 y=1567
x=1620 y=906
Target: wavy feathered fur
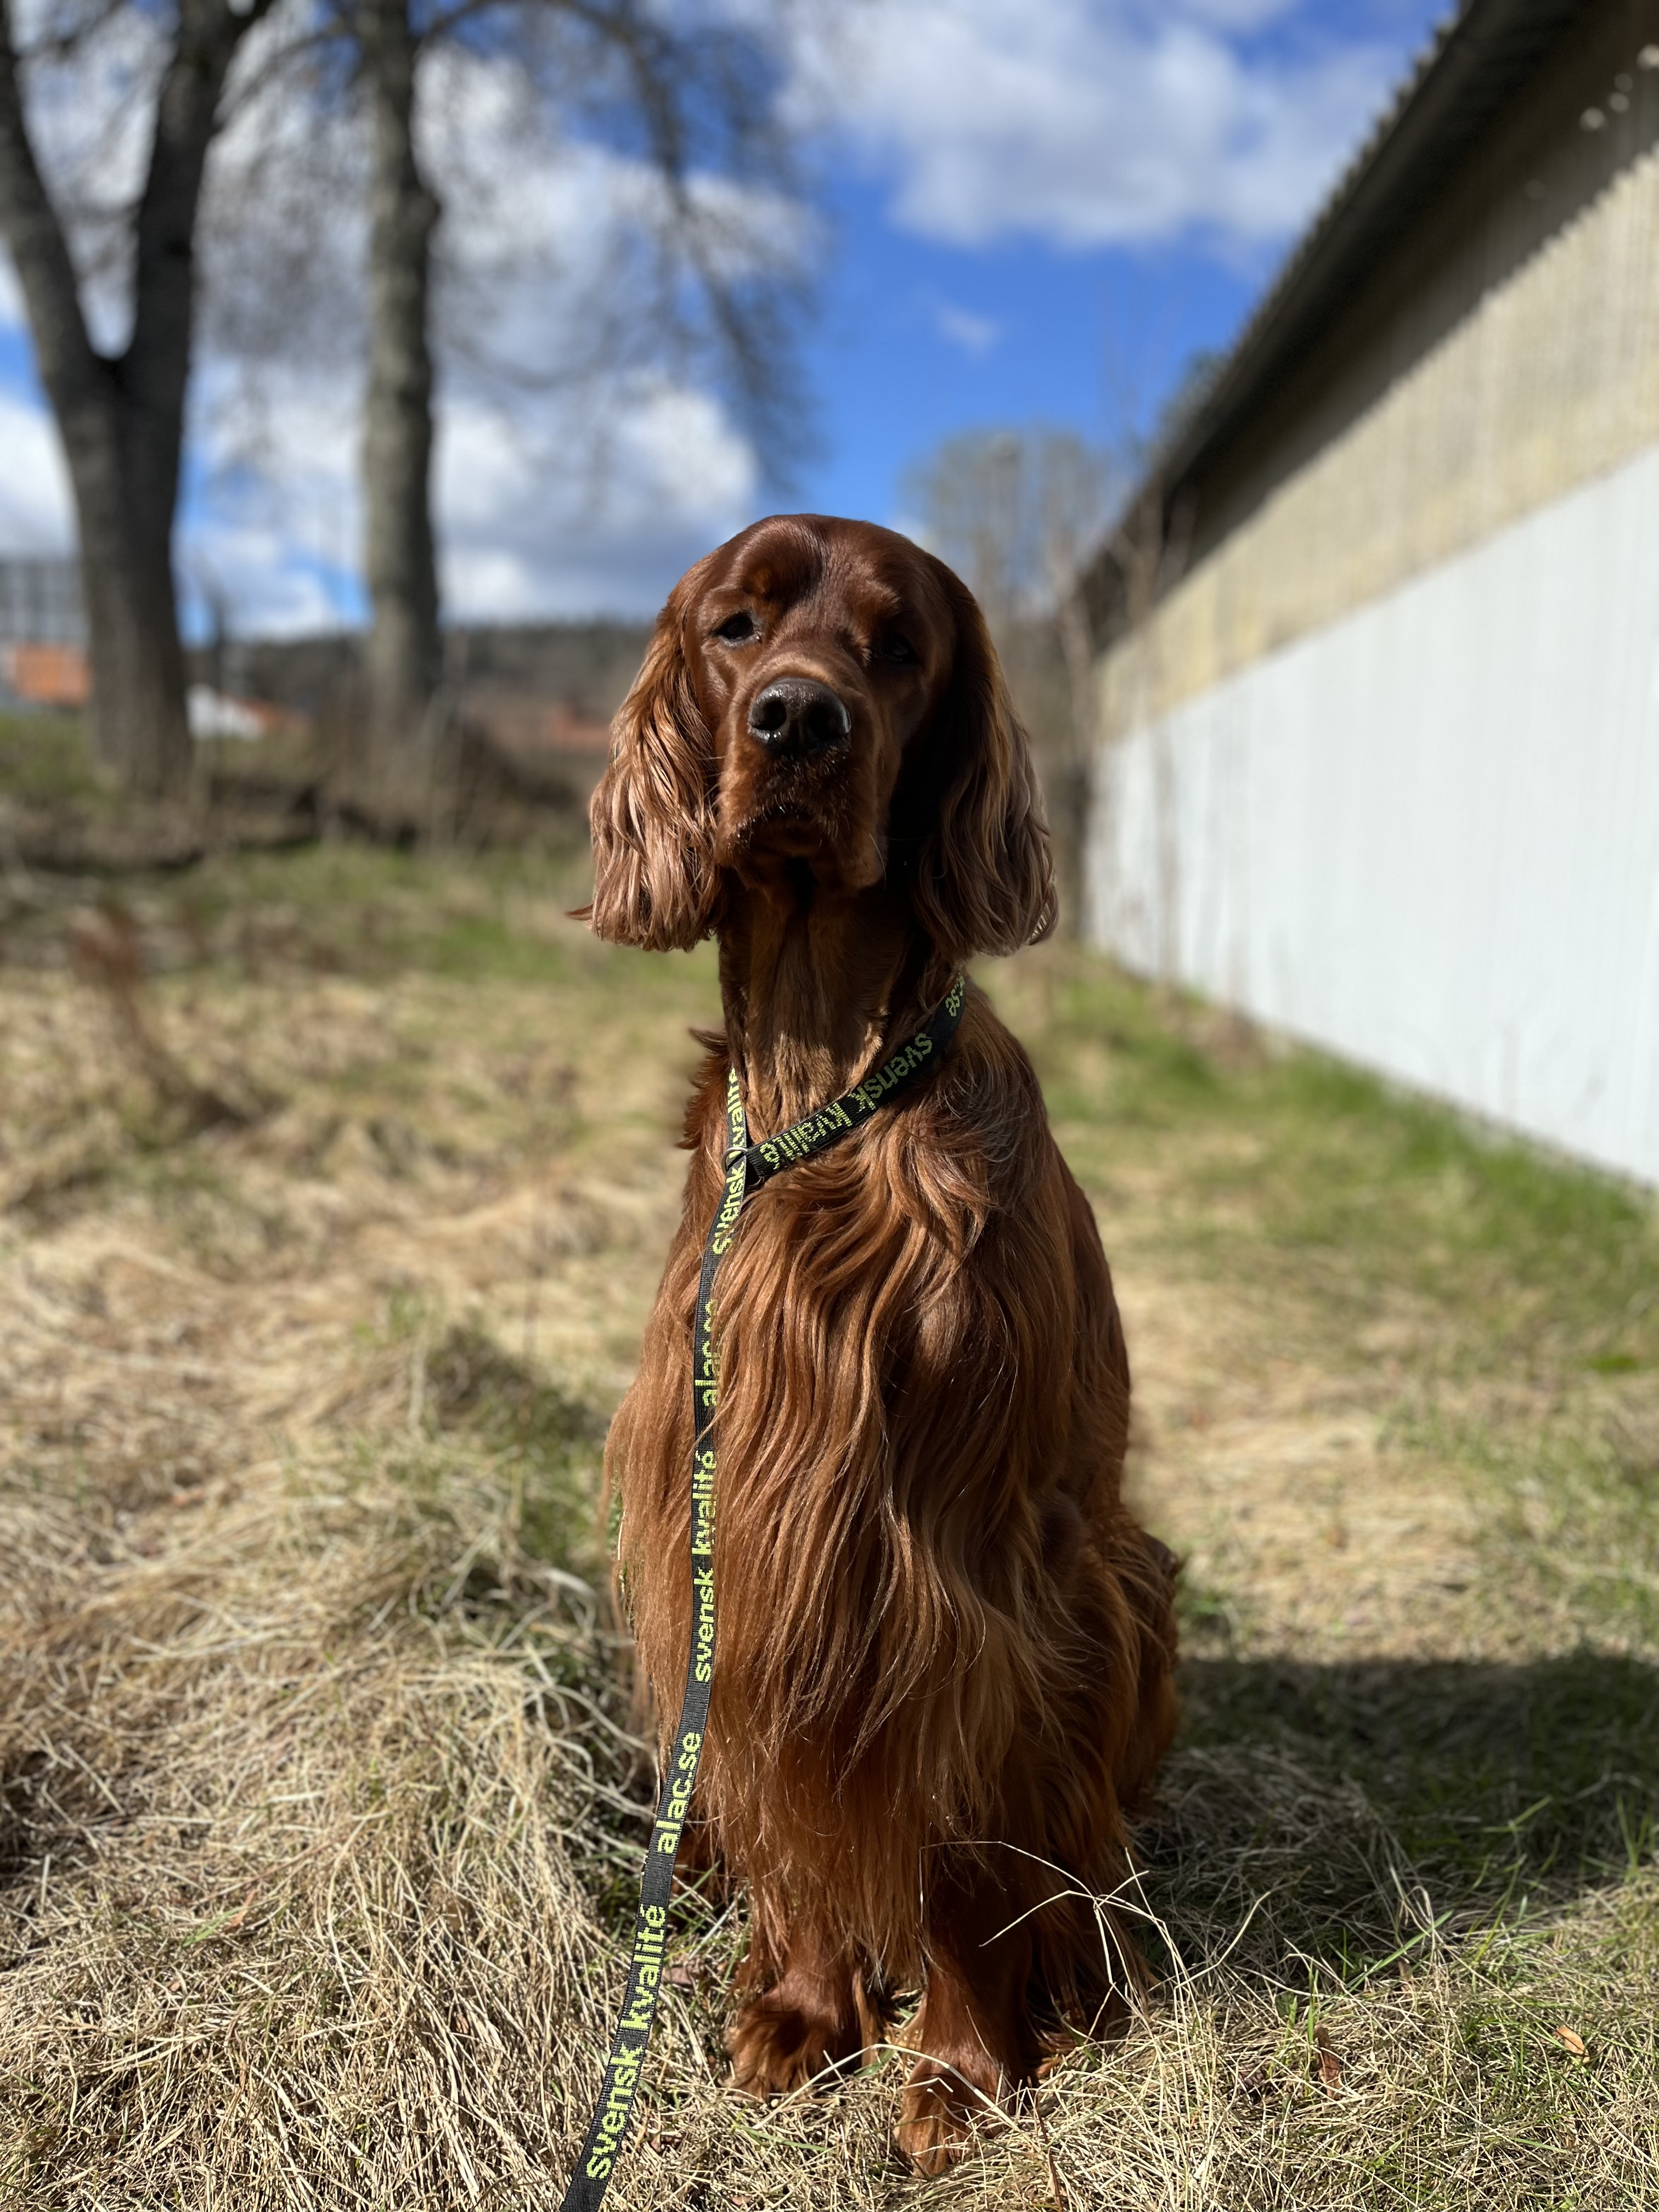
x=656 y=884
x=945 y=1649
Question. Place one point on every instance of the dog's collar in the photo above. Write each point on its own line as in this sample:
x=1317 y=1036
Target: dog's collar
x=818 y=1131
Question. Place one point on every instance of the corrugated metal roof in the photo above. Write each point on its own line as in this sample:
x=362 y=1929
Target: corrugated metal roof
x=1478 y=58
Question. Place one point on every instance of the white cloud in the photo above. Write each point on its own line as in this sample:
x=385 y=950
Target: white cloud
x=524 y=534
x=567 y=509
x=273 y=529
x=1092 y=123
x=1239 y=15
x=975 y=334
x=36 y=512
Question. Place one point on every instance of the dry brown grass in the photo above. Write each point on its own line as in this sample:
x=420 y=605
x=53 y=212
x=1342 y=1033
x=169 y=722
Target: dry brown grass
x=319 y=1809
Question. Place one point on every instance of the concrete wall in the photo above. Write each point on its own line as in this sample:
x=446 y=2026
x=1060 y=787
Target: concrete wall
x=1506 y=351
x=1426 y=836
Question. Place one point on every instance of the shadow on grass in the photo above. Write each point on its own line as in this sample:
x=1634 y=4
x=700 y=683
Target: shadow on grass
x=1337 y=1812
x=521 y=1414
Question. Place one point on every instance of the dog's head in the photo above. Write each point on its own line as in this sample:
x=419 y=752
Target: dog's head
x=821 y=700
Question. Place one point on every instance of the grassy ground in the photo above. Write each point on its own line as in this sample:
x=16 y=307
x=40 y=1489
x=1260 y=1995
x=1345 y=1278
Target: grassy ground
x=44 y=760
x=318 y=1807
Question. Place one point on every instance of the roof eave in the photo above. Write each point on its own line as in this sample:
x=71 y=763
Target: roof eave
x=1477 y=59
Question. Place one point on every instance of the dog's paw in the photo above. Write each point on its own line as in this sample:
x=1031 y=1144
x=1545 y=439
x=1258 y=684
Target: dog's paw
x=937 y=2117
x=777 y=2044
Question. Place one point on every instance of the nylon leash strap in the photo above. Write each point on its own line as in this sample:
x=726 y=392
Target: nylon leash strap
x=747 y=1168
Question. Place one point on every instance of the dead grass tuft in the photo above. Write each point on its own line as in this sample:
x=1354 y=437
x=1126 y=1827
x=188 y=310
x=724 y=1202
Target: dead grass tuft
x=106 y=952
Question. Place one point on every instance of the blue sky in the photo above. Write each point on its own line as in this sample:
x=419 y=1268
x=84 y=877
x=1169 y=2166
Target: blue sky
x=1025 y=210
x=1077 y=294
x=917 y=340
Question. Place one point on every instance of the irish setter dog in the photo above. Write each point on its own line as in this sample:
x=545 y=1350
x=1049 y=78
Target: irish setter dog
x=944 y=1651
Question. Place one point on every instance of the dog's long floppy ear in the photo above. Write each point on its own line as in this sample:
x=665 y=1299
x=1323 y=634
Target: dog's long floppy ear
x=655 y=882
x=983 y=878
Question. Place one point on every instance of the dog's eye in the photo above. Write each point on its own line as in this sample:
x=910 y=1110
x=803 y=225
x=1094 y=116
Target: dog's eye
x=895 y=650
x=737 y=629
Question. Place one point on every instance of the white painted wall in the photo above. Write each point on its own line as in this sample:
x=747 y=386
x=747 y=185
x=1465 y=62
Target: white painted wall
x=1426 y=837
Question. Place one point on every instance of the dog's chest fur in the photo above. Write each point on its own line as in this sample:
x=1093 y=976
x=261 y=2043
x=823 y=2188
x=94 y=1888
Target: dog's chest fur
x=916 y=1389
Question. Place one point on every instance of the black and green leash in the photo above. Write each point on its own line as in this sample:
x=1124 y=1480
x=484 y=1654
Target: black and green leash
x=747 y=1167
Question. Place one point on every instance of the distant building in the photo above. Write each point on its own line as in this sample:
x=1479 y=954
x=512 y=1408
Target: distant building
x=43 y=632
x=40 y=602
x=1380 y=684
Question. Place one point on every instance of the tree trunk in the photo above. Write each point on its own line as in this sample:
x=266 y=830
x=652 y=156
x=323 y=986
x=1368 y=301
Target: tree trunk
x=122 y=419
x=403 y=658
x=125 y=502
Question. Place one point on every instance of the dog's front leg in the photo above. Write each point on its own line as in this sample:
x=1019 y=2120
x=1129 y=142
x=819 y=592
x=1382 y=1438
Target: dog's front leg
x=973 y=2033
x=813 y=2017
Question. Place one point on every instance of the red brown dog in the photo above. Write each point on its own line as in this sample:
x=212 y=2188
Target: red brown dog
x=945 y=1648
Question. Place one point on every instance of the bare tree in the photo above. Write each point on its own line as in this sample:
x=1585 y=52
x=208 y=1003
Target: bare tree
x=400 y=560
x=121 y=413
x=685 y=89
x=1020 y=514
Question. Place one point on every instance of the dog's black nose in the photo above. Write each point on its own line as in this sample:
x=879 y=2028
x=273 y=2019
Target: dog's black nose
x=795 y=716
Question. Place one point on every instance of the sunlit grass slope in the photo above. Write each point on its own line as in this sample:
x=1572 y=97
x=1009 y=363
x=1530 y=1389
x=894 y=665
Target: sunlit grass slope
x=319 y=1801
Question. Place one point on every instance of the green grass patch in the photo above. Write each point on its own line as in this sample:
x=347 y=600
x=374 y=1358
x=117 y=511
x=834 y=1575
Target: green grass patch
x=1285 y=1160
x=45 y=761
x=343 y=908
x=546 y=1438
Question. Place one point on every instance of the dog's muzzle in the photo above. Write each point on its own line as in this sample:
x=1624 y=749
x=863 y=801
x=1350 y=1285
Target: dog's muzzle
x=798 y=719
